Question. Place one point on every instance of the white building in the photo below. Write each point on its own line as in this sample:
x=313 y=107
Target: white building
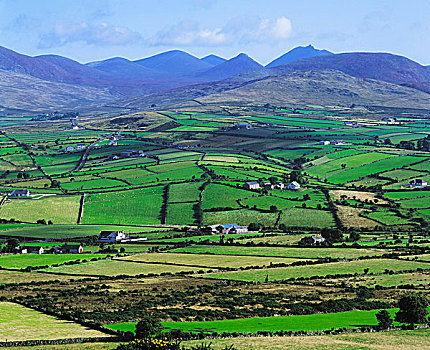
x=418 y=183
x=112 y=236
x=253 y=185
x=293 y=186
x=325 y=143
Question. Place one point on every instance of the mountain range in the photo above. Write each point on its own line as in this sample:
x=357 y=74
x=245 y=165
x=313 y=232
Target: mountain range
x=176 y=76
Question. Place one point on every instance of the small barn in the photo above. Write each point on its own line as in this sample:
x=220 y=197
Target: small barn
x=20 y=193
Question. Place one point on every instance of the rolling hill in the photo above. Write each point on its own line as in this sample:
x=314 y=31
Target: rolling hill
x=124 y=69
x=213 y=59
x=239 y=64
x=296 y=54
x=174 y=63
x=381 y=66
x=302 y=87
x=328 y=87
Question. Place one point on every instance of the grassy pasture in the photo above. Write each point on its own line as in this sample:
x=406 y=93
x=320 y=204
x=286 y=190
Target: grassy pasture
x=58 y=209
x=20 y=323
x=368 y=169
x=350 y=267
x=217 y=195
x=118 y=267
x=240 y=217
x=126 y=207
x=180 y=213
x=387 y=218
x=185 y=192
x=317 y=322
x=286 y=252
x=208 y=261
x=20 y=261
x=307 y=218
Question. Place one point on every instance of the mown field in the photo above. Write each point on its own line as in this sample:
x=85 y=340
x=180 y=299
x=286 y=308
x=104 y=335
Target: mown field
x=351 y=267
x=287 y=252
x=21 y=323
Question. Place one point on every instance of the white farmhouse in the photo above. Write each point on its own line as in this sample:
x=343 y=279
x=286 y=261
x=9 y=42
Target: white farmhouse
x=112 y=236
x=293 y=186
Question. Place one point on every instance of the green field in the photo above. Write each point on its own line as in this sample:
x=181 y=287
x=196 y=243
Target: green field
x=351 y=267
x=318 y=322
x=209 y=261
x=58 y=209
x=286 y=252
x=119 y=267
x=21 y=261
x=131 y=207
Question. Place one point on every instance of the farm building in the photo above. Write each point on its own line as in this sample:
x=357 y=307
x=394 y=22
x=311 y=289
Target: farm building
x=244 y=126
x=388 y=119
x=67 y=249
x=229 y=229
x=31 y=250
x=316 y=239
x=325 y=143
x=293 y=186
x=112 y=236
x=253 y=185
x=128 y=153
x=20 y=193
x=69 y=149
x=80 y=146
x=268 y=186
x=418 y=183
x=280 y=186
x=337 y=142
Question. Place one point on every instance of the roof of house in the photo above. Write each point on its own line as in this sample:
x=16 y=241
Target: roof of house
x=252 y=183
x=295 y=183
x=108 y=233
x=23 y=191
x=31 y=247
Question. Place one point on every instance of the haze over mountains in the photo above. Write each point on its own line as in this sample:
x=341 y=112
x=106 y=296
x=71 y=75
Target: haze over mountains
x=148 y=81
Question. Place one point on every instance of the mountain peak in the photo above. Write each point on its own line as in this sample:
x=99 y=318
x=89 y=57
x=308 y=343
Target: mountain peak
x=236 y=65
x=298 y=53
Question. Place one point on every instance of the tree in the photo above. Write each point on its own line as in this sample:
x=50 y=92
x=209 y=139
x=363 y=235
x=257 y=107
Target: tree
x=413 y=309
x=332 y=235
x=384 y=319
x=11 y=245
x=148 y=326
x=354 y=236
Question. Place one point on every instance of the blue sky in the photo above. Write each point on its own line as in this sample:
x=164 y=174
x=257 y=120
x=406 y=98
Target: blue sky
x=87 y=30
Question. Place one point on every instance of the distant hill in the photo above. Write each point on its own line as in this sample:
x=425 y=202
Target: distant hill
x=298 y=53
x=240 y=63
x=76 y=73
x=327 y=87
x=301 y=87
x=28 y=93
x=381 y=66
x=213 y=59
x=174 y=63
x=124 y=69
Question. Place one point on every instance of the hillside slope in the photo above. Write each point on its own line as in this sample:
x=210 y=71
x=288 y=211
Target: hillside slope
x=32 y=94
x=326 y=87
